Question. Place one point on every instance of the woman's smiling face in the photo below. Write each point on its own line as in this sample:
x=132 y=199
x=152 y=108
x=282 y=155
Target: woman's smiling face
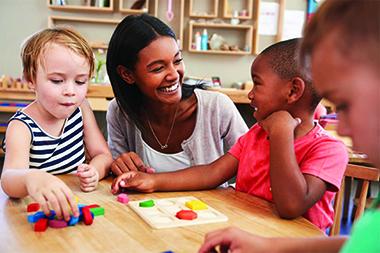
x=159 y=71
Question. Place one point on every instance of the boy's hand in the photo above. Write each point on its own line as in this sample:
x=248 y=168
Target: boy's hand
x=51 y=193
x=279 y=121
x=127 y=162
x=133 y=180
x=88 y=177
x=234 y=240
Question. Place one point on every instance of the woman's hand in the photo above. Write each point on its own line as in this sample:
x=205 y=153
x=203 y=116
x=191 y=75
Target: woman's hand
x=51 y=192
x=127 y=162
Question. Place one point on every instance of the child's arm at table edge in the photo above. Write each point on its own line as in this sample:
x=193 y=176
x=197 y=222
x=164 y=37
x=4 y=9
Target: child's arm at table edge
x=95 y=143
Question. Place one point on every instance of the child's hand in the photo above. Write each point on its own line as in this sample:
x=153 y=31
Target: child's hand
x=88 y=177
x=127 y=162
x=133 y=180
x=279 y=121
x=234 y=240
x=51 y=192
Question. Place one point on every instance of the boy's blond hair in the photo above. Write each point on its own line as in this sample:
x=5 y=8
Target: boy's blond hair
x=356 y=24
x=34 y=47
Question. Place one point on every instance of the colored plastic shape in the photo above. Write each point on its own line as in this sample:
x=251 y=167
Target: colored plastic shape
x=97 y=211
x=73 y=221
x=33 y=218
x=33 y=207
x=88 y=217
x=57 y=223
x=123 y=198
x=41 y=225
x=147 y=203
x=196 y=205
x=93 y=206
x=186 y=215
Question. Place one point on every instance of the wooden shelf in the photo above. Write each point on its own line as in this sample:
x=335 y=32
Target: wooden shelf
x=124 y=9
x=219 y=52
x=218 y=28
x=248 y=7
x=52 y=19
x=81 y=8
x=3 y=129
x=196 y=12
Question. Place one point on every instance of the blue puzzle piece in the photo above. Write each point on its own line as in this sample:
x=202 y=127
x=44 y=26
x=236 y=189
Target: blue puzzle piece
x=33 y=218
x=73 y=220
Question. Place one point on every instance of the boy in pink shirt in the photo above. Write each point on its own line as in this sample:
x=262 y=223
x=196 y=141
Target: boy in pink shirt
x=286 y=157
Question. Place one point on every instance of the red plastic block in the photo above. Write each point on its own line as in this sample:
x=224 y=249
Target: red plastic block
x=93 y=206
x=33 y=207
x=186 y=215
x=87 y=217
x=41 y=225
x=57 y=223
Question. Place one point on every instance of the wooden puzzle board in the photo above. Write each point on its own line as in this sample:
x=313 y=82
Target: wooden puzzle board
x=163 y=213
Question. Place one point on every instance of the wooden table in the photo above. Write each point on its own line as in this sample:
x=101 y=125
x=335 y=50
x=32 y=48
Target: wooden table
x=122 y=230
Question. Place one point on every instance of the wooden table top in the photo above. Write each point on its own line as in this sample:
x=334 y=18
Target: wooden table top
x=122 y=230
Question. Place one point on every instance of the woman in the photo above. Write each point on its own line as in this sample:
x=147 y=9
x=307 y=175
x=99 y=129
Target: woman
x=154 y=122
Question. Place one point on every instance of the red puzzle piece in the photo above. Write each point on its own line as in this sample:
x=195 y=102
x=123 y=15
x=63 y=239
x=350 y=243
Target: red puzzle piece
x=33 y=207
x=186 y=215
x=41 y=225
x=87 y=217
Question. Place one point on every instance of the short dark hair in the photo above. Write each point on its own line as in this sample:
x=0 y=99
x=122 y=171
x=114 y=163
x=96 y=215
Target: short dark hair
x=131 y=35
x=283 y=59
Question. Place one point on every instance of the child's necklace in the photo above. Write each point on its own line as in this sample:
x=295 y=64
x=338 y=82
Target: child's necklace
x=165 y=145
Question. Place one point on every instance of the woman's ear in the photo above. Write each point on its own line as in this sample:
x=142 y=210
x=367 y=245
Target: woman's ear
x=297 y=89
x=125 y=74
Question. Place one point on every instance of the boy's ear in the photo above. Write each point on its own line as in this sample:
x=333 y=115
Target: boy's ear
x=125 y=74
x=297 y=89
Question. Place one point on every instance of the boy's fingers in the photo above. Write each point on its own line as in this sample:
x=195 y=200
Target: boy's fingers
x=43 y=203
x=64 y=203
x=70 y=198
x=53 y=202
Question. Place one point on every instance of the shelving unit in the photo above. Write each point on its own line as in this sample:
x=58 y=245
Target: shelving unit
x=126 y=6
x=203 y=9
x=96 y=43
x=230 y=5
x=222 y=29
x=80 y=7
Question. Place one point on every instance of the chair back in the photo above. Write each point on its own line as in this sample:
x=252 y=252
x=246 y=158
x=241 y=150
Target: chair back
x=360 y=172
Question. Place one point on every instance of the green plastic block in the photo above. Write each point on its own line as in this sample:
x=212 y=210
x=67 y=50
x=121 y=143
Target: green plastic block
x=147 y=203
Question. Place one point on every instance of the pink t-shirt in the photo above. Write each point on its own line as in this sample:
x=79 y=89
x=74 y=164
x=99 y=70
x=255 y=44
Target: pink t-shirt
x=317 y=154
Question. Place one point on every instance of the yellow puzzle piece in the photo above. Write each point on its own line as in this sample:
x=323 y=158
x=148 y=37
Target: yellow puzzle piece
x=196 y=205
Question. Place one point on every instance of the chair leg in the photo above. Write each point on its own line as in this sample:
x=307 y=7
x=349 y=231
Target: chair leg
x=347 y=197
x=335 y=228
x=362 y=200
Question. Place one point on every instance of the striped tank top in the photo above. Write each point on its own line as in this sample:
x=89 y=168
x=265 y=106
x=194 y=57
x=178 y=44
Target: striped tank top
x=55 y=155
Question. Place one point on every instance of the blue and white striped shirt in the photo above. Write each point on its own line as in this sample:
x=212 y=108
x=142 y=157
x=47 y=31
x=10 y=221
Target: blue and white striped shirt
x=55 y=155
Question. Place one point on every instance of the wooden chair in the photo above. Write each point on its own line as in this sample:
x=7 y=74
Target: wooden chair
x=364 y=173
